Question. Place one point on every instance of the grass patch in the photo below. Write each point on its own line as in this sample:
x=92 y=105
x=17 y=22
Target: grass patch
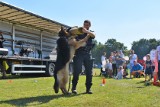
x=37 y=91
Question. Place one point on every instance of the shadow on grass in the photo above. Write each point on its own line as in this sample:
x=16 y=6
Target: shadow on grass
x=140 y=87
x=32 y=100
x=141 y=82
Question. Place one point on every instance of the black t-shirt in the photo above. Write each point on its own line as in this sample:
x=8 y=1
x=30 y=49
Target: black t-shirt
x=148 y=64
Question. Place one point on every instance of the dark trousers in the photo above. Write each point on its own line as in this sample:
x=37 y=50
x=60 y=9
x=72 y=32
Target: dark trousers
x=114 y=69
x=78 y=60
x=159 y=70
x=1 y=44
x=2 y=69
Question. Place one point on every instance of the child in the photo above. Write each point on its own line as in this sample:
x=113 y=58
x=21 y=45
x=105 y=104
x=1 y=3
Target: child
x=125 y=72
x=109 y=68
x=154 y=59
x=120 y=73
x=149 y=68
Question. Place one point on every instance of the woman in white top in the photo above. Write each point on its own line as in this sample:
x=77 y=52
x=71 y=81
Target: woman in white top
x=132 y=58
x=103 y=63
x=112 y=58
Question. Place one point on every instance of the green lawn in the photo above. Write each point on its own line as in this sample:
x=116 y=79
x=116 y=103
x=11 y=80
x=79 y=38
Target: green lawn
x=116 y=93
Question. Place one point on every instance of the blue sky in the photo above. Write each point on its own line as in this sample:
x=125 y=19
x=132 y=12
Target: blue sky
x=124 y=20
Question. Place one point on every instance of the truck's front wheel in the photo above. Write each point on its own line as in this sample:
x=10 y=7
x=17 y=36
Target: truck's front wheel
x=50 y=69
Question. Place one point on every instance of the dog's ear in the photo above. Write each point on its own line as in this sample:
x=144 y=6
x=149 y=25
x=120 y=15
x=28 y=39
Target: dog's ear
x=66 y=33
x=62 y=29
x=63 y=32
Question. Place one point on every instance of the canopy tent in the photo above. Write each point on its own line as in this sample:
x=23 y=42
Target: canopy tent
x=19 y=16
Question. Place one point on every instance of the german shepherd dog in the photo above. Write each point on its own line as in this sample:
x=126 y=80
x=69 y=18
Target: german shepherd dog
x=66 y=47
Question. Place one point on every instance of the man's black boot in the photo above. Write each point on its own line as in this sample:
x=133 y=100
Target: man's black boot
x=88 y=91
x=74 y=91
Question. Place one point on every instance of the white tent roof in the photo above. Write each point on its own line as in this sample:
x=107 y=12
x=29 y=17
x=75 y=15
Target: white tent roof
x=16 y=15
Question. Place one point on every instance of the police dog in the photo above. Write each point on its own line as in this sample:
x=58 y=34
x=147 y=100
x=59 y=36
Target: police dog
x=66 y=47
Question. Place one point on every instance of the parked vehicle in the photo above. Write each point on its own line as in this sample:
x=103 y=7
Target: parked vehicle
x=30 y=41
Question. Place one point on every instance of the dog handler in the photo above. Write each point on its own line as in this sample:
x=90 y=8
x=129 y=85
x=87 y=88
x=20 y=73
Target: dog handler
x=83 y=56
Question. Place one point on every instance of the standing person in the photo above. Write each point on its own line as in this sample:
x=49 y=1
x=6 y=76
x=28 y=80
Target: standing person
x=109 y=68
x=154 y=60
x=83 y=56
x=158 y=53
x=113 y=59
x=103 y=63
x=1 y=61
x=119 y=59
x=149 y=68
x=132 y=58
x=121 y=53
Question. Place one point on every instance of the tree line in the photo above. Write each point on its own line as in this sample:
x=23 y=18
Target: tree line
x=141 y=48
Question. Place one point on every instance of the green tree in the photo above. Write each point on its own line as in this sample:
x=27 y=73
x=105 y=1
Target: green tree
x=144 y=46
x=109 y=46
x=98 y=51
x=112 y=45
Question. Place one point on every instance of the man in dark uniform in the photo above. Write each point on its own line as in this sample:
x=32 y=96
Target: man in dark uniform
x=1 y=61
x=83 y=56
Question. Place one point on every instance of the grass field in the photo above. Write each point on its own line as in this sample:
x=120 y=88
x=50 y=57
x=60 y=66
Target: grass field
x=37 y=91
